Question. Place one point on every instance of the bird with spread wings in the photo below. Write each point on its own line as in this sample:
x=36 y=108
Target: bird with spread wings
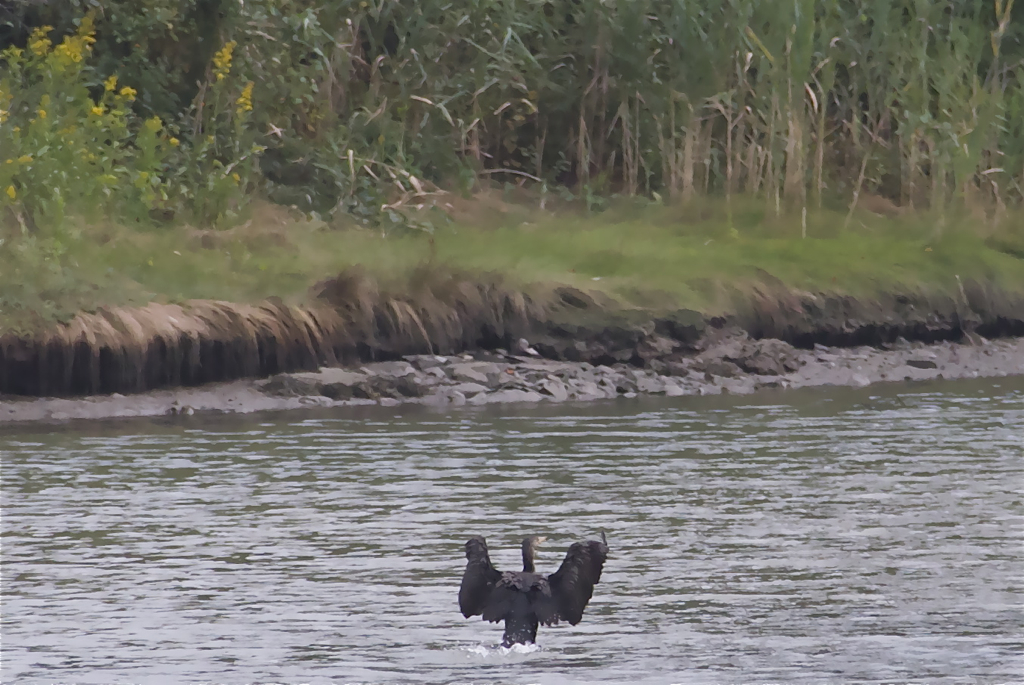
x=525 y=599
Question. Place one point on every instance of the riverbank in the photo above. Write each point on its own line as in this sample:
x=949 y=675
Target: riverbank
x=727 y=361
x=642 y=286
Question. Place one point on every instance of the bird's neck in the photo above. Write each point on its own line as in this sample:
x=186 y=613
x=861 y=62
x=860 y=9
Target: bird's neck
x=527 y=561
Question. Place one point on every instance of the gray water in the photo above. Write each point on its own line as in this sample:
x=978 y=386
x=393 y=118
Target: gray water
x=846 y=536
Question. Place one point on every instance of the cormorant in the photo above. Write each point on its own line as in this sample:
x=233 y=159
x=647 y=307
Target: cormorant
x=525 y=599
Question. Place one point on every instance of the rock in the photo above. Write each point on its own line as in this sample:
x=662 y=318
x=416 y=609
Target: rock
x=485 y=373
x=395 y=369
x=496 y=356
x=469 y=389
x=423 y=362
x=523 y=347
x=654 y=347
x=339 y=391
x=650 y=386
x=586 y=390
x=677 y=369
x=509 y=395
x=922 y=364
x=467 y=374
x=621 y=383
x=292 y=384
x=555 y=388
x=674 y=388
x=720 y=367
x=389 y=402
x=860 y=380
x=375 y=387
x=336 y=375
x=176 y=409
x=436 y=400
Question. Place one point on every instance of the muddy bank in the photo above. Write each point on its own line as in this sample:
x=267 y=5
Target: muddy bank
x=351 y=321
x=732 y=362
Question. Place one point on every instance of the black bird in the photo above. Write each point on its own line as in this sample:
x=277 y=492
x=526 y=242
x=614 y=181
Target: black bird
x=524 y=600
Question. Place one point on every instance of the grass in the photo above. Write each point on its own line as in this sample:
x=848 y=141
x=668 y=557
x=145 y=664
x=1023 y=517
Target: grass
x=639 y=254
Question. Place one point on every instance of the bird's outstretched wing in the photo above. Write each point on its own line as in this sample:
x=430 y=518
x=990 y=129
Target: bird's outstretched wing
x=572 y=585
x=479 y=579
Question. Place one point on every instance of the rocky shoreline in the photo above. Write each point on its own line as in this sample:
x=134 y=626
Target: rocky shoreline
x=723 y=361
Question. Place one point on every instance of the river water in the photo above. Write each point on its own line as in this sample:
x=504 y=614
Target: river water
x=869 y=535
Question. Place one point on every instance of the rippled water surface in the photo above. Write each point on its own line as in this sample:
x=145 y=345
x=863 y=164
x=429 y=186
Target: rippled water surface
x=847 y=536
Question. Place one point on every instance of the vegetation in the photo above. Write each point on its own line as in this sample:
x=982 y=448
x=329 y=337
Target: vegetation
x=127 y=124
x=353 y=105
x=640 y=254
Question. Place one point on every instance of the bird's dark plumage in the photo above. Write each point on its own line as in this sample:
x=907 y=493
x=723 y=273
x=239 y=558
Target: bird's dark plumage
x=525 y=599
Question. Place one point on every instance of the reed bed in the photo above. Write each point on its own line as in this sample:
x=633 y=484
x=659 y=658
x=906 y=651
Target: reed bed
x=361 y=105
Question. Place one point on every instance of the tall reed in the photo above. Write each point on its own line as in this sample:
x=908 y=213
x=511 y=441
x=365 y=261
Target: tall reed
x=798 y=101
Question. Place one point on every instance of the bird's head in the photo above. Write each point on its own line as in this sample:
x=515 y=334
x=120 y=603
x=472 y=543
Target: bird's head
x=530 y=545
x=533 y=541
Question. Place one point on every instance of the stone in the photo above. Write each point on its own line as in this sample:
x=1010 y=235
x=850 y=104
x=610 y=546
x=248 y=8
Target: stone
x=466 y=374
x=555 y=388
x=395 y=369
x=485 y=373
x=721 y=367
x=424 y=362
x=674 y=388
x=509 y=395
x=335 y=375
x=469 y=389
x=676 y=369
x=650 y=386
x=291 y=384
x=922 y=363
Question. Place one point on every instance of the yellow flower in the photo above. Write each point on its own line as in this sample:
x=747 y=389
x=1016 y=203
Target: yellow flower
x=98 y=110
x=128 y=93
x=174 y=142
x=244 y=100
x=38 y=41
x=12 y=193
x=235 y=176
x=42 y=113
x=110 y=84
x=154 y=124
x=86 y=29
x=70 y=51
x=25 y=159
x=222 y=60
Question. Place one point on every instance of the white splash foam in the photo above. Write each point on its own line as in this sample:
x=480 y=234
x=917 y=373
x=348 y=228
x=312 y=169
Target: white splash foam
x=492 y=651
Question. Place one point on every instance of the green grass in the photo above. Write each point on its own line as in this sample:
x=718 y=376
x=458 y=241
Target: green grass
x=639 y=254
